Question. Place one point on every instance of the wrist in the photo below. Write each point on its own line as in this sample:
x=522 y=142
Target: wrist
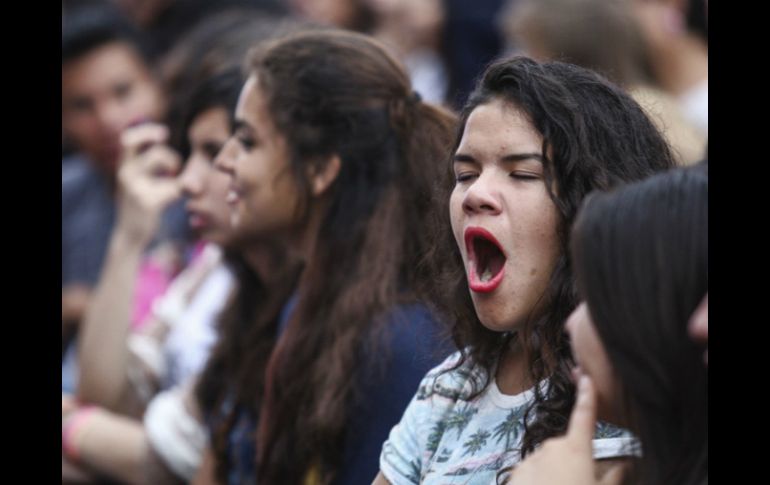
x=129 y=240
x=73 y=427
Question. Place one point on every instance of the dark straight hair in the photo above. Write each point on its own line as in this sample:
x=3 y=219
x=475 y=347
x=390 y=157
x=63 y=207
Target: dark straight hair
x=641 y=260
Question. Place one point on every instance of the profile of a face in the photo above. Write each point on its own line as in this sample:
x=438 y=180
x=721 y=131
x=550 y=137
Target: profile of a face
x=205 y=187
x=263 y=194
x=104 y=92
x=592 y=359
x=503 y=219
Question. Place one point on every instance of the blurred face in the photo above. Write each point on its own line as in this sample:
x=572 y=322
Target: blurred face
x=593 y=361
x=340 y=13
x=204 y=186
x=504 y=222
x=103 y=92
x=263 y=195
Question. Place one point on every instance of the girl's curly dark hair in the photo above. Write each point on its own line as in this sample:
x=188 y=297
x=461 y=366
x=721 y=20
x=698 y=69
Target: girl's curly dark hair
x=595 y=136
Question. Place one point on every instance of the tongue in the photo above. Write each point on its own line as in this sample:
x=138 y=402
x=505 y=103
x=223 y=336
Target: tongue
x=490 y=259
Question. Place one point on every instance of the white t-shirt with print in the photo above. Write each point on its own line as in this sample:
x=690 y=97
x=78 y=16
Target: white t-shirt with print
x=445 y=438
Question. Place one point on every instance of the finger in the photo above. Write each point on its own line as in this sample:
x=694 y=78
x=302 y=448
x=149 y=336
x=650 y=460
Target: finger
x=168 y=193
x=613 y=476
x=161 y=161
x=137 y=138
x=699 y=322
x=583 y=419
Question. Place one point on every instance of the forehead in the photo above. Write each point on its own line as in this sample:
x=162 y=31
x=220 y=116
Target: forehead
x=213 y=121
x=250 y=99
x=499 y=126
x=105 y=64
x=253 y=109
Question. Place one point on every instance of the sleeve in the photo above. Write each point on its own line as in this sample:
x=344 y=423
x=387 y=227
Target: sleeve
x=402 y=453
x=614 y=442
x=175 y=430
x=146 y=365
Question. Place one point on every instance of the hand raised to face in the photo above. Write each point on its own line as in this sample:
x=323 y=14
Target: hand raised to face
x=147 y=179
x=569 y=458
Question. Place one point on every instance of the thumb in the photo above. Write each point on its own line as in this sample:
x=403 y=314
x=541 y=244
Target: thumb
x=613 y=476
x=137 y=139
x=582 y=422
x=166 y=193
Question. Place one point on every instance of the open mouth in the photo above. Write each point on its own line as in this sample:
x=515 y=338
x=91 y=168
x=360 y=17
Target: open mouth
x=486 y=260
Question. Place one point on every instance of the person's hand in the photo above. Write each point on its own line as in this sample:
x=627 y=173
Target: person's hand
x=147 y=179
x=568 y=460
x=699 y=325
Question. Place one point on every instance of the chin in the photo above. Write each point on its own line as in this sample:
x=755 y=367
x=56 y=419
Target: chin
x=485 y=310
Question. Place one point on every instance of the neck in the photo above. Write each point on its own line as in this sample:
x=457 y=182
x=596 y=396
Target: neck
x=512 y=375
x=265 y=259
x=303 y=241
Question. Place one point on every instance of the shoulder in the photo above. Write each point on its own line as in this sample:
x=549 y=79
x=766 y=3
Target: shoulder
x=454 y=379
x=80 y=182
x=76 y=171
x=415 y=333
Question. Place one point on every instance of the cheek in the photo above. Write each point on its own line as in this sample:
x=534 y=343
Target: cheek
x=455 y=216
x=248 y=175
x=546 y=238
x=146 y=100
x=219 y=185
x=81 y=127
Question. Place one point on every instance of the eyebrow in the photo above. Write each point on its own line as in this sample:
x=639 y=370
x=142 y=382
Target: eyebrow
x=511 y=157
x=239 y=124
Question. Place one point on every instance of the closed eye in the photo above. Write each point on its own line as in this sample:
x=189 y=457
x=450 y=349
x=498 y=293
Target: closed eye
x=211 y=149
x=464 y=177
x=246 y=142
x=524 y=176
x=122 y=90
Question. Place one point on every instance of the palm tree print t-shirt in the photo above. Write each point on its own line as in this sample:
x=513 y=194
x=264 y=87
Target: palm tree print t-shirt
x=444 y=437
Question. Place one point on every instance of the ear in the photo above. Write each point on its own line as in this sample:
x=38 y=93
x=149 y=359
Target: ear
x=322 y=177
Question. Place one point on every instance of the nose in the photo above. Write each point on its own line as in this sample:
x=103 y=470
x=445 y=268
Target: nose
x=225 y=159
x=111 y=117
x=573 y=318
x=191 y=178
x=482 y=198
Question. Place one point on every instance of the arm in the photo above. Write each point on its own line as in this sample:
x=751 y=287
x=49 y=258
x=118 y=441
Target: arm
x=206 y=474
x=96 y=441
x=104 y=443
x=103 y=352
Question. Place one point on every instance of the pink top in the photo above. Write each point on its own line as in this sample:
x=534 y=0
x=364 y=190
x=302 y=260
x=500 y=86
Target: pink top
x=155 y=275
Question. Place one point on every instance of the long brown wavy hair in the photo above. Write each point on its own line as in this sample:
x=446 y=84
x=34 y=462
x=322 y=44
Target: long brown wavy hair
x=594 y=137
x=339 y=93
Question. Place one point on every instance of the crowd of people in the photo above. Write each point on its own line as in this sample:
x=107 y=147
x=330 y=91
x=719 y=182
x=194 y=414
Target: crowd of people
x=363 y=241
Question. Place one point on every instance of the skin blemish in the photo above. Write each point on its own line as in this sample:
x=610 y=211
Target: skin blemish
x=533 y=271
